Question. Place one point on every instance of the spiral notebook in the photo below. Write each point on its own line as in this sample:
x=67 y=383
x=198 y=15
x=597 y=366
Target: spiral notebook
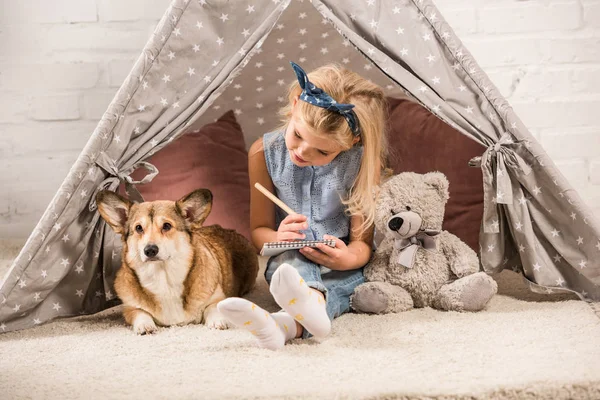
x=274 y=248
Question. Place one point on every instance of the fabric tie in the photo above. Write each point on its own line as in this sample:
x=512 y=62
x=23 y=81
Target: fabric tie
x=112 y=182
x=497 y=184
x=317 y=97
x=405 y=249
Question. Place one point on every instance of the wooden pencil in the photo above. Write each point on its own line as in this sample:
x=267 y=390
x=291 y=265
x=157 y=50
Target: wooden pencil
x=274 y=198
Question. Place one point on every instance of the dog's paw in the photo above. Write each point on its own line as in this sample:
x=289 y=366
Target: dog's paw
x=216 y=321
x=144 y=325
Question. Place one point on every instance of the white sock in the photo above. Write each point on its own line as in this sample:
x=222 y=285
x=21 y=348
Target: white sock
x=271 y=330
x=300 y=301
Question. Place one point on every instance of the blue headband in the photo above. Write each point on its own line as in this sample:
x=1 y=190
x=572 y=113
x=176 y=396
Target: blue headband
x=317 y=97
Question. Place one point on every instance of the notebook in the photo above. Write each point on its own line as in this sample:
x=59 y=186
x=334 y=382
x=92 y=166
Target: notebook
x=274 y=248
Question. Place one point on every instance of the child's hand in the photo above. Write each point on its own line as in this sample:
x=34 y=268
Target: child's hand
x=290 y=228
x=336 y=258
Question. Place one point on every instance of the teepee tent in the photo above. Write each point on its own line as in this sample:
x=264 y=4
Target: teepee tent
x=198 y=62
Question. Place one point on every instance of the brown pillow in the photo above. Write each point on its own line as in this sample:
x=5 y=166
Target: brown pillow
x=212 y=156
x=420 y=142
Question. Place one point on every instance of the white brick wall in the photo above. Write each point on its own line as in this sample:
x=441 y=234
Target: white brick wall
x=61 y=62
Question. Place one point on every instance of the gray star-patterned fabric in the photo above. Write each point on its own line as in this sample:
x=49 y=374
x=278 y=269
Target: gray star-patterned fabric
x=209 y=56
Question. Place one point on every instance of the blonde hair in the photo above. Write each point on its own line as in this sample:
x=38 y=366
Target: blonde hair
x=345 y=86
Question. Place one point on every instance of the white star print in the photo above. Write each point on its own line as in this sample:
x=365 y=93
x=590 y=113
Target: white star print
x=17 y=307
x=537 y=266
x=404 y=52
x=36 y=321
x=557 y=258
x=56 y=306
x=177 y=31
x=373 y=24
x=423 y=89
x=521 y=248
x=370 y=2
x=246 y=32
x=260 y=121
x=65 y=238
x=36 y=296
x=431 y=58
x=436 y=80
x=396 y=10
x=65 y=262
x=490 y=248
x=145 y=85
x=462 y=88
x=79 y=269
x=220 y=41
x=559 y=282
x=56 y=226
x=163 y=102
x=199 y=25
x=83 y=193
x=537 y=190
x=495 y=224
x=582 y=264
x=224 y=17
x=579 y=240
x=574 y=216
x=207 y=78
x=79 y=293
x=166 y=78
x=191 y=71
x=427 y=37
x=302 y=31
x=22 y=283
x=324 y=50
x=44 y=273
x=555 y=233
x=400 y=31
x=522 y=200
x=436 y=109
x=3 y=326
x=171 y=55
x=250 y=9
x=469 y=110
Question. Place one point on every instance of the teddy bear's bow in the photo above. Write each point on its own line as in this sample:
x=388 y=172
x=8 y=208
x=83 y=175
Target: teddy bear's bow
x=405 y=249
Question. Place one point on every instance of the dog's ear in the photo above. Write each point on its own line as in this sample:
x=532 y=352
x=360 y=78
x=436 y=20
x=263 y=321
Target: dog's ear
x=195 y=206
x=114 y=209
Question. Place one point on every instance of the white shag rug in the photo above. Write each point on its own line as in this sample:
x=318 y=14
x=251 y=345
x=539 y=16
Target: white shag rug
x=523 y=346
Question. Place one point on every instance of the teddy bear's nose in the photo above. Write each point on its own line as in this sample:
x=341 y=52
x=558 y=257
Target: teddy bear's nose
x=395 y=223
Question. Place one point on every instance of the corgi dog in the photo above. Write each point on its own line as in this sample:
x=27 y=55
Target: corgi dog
x=174 y=271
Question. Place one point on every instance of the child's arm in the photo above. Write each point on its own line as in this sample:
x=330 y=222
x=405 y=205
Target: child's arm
x=262 y=210
x=344 y=257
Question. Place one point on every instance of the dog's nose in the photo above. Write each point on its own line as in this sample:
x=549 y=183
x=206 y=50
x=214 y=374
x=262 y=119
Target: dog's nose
x=151 y=250
x=395 y=223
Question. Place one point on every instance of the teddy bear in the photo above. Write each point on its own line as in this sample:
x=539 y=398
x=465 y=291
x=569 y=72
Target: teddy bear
x=417 y=264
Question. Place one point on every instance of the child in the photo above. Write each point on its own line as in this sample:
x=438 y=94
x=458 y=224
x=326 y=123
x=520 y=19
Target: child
x=324 y=163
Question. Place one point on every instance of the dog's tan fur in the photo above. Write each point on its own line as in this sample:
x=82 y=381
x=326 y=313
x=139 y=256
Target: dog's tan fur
x=194 y=269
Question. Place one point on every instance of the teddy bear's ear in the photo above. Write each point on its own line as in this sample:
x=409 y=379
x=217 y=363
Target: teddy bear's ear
x=439 y=182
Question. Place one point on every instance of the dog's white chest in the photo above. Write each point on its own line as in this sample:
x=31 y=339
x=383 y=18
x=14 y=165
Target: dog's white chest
x=166 y=282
